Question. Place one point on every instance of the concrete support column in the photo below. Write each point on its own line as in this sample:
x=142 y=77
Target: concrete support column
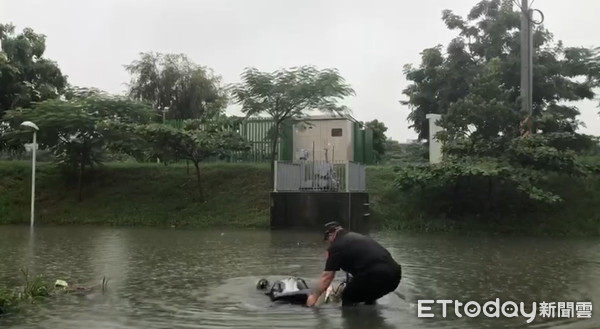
x=435 y=146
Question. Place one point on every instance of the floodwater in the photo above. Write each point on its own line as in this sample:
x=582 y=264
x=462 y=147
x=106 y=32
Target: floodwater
x=172 y=278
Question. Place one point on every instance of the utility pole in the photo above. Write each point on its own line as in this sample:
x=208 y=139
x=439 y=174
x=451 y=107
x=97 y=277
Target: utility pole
x=526 y=58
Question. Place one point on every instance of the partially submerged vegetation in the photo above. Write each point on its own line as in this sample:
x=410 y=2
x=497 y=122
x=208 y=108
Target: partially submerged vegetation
x=38 y=289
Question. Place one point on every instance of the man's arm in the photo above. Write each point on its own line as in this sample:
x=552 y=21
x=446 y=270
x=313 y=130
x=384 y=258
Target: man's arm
x=324 y=282
x=331 y=266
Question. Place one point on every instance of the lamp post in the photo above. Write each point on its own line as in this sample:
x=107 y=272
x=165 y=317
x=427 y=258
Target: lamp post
x=35 y=128
x=164 y=118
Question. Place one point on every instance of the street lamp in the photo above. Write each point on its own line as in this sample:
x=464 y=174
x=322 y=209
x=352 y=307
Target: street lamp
x=35 y=128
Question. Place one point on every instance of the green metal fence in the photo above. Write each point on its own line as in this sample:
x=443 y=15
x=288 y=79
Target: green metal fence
x=363 y=144
x=256 y=131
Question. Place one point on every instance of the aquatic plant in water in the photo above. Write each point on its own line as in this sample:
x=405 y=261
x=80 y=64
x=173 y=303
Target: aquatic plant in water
x=37 y=288
x=8 y=300
x=31 y=291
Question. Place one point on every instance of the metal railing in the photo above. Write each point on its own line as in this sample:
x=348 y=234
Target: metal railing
x=319 y=176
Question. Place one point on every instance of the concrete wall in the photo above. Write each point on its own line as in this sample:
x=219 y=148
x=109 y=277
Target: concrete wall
x=311 y=210
x=336 y=148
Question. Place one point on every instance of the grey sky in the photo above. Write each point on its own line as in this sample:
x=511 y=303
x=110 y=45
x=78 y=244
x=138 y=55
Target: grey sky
x=368 y=41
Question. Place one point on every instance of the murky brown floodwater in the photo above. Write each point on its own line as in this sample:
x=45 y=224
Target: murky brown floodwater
x=206 y=279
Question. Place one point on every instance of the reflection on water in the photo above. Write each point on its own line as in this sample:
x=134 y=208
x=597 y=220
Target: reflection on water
x=206 y=279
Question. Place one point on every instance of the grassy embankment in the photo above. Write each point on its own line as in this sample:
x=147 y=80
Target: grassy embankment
x=138 y=194
x=237 y=196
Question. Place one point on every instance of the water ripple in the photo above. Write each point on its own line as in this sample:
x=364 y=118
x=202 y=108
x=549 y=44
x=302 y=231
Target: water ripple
x=206 y=279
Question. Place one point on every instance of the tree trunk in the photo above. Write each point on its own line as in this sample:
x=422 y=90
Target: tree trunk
x=490 y=206
x=200 y=192
x=456 y=207
x=80 y=181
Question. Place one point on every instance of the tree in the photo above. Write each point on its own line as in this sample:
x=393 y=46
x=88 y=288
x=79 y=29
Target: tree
x=174 y=84
x=26 y=76
x=487 y=138
x=290 y=94
x=379 y=138
x=489 y=40
x=396 y=152
x=78 y=130
x=196 y=141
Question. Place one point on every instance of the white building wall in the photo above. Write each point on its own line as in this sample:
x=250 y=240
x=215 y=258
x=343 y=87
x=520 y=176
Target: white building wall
x=326 y=146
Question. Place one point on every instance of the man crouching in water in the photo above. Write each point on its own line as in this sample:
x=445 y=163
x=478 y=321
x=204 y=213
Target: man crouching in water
x=374 y=272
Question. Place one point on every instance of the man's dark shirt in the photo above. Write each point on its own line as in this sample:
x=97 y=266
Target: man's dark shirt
x=355 y=253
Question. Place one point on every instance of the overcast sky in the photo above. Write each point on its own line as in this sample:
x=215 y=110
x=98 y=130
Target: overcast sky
x=368 y=41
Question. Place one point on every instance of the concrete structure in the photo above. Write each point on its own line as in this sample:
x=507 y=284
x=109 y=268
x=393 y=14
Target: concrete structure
x=307 y=194
x=325 y=178
x=435 y=146
x=311 y=210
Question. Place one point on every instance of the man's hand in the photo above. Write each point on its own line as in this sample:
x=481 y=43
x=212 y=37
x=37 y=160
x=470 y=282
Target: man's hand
x=311 y=300
x=324 y=282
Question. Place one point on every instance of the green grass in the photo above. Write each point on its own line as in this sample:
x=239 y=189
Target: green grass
x=237 y=195
x=138 y=195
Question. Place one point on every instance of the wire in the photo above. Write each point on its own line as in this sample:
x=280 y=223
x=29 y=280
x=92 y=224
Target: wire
x=516 y=3
x=541 y=20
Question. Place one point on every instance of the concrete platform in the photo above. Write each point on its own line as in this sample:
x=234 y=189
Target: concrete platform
x=312 y=209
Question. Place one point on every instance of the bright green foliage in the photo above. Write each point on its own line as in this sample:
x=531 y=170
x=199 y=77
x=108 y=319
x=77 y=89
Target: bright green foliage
x=26 y=76
x=196 y=141
x=487 y=50
x=396 y=153
x=475 y=85
x=290 y=94
x=78 y=130
x=172 y=81
x=467 y=173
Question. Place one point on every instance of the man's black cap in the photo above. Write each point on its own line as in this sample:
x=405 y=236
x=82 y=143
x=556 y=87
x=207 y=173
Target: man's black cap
x=330 y=227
